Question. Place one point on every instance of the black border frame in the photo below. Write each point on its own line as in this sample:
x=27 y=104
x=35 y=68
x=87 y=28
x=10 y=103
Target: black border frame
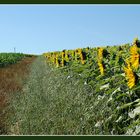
x=69 y=1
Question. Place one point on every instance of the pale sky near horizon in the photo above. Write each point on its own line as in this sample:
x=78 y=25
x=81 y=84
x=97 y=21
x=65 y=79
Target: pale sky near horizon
x=36 y=29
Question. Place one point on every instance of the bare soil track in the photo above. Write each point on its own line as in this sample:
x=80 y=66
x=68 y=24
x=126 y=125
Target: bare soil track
x=11 y=80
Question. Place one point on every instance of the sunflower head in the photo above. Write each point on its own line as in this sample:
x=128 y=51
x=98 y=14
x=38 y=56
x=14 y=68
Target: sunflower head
x=134 y=59
x=130 y=77
x=134 y=49
x=100 y=53
x=101 y=68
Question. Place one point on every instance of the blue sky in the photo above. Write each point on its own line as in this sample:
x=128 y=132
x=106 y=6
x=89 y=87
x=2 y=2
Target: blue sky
x=41 y=28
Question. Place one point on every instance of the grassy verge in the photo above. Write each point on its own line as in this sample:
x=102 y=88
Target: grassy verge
x=11 y=81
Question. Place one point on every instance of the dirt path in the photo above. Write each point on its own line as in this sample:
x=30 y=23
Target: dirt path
x=11 y=80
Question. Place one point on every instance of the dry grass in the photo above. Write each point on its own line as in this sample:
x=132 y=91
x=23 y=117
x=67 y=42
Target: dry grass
x=11 y=80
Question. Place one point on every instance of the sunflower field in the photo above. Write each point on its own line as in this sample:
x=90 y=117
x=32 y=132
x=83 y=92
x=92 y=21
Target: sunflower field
x=113 y=74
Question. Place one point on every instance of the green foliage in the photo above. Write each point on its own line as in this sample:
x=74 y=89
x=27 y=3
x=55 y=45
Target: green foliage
x=9 y=58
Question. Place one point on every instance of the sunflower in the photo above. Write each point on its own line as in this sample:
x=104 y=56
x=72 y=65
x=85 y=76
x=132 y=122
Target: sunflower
x=66 y=56
x=134 y=49
x=100 y=61
x=56 y=60
x=130 y=76
x=63 y=54
x=100 y=53
x=134 y=58
x=81 y=56
x=135 y=61
x=101 y=67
